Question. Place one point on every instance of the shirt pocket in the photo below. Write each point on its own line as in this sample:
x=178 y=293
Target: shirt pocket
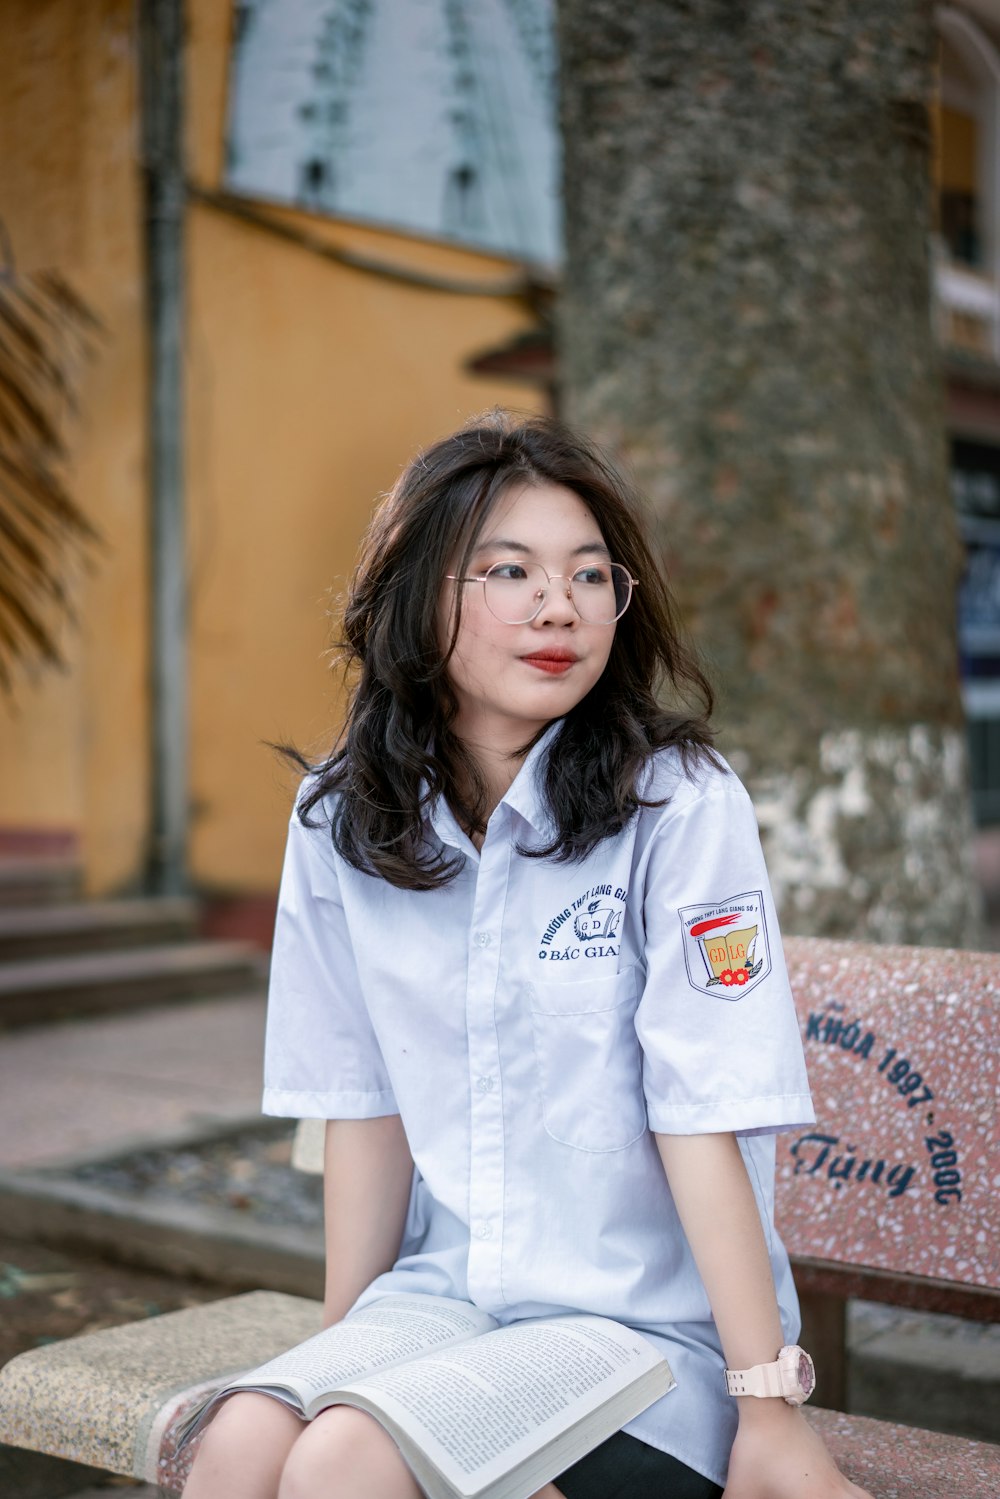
x=588 y=1058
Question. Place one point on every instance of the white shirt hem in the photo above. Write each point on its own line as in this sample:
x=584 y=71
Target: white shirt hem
x=770 y=1114
x=290 y=1104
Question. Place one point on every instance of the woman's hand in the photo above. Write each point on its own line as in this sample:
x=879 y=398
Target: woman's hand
x=777 y=1455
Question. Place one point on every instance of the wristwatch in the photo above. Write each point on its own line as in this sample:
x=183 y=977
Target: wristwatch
x=792 y=1376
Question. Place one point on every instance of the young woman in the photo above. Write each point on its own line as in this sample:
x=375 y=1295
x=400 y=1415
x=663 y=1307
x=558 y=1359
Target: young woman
x=527 y=965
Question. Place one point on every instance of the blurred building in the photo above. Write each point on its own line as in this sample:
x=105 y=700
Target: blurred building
x=372 y=236
x=319 y=353
x=967 y=246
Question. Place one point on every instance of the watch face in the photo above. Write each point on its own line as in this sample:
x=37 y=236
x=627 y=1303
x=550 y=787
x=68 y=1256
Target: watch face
x=806 y=1374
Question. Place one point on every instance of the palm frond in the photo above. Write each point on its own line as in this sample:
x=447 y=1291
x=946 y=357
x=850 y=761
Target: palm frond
x=46 y=332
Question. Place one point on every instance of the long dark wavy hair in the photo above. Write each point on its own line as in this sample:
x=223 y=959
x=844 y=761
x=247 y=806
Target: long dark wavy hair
x=397 y=751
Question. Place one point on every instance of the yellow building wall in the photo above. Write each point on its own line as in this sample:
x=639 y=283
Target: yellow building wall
x=308 y=384
x=73 y=746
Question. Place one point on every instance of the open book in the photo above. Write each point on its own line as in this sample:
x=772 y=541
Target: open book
x=476 y=1409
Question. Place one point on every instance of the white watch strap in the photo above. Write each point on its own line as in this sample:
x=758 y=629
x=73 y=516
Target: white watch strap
x=762 y=1379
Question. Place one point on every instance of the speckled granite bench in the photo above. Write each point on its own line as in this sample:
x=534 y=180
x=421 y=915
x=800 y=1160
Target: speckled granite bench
x=112 y=1399
x=888 y=1197
x=891 y=1196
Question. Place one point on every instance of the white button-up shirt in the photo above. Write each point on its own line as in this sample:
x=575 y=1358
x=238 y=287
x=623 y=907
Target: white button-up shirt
x=532 y=1022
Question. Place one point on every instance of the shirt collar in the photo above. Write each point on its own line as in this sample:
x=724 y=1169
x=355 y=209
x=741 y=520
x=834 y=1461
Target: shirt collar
x=525 y=795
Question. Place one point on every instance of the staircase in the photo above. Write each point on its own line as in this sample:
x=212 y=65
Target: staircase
x=37 y=880
x=62 y=956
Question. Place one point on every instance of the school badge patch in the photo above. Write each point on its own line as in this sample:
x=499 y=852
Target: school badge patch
x=725 y=945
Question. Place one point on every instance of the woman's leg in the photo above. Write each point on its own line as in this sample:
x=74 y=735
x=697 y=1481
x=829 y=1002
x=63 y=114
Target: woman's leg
x=244 y=1449
x=345 y=1454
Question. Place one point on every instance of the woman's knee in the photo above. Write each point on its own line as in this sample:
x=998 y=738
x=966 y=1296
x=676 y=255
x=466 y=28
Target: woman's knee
x=248 y=1432
x=344 y=1452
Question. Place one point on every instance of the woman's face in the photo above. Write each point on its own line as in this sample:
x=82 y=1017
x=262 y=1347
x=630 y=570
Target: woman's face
x=512 y=679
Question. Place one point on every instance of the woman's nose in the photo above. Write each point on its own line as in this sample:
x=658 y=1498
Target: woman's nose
x=558 y=606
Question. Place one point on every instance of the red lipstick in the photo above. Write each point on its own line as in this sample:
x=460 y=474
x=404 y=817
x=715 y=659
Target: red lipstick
x=555 y=662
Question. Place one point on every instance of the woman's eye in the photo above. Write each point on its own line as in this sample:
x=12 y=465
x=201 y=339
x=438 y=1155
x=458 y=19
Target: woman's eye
x=593 y=575
x=509 y=572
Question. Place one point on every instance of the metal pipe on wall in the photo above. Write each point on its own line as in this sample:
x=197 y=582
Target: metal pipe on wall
x=161 y=49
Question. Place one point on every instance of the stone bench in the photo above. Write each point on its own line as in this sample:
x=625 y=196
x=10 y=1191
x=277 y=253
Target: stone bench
x=867 y=1200
x=891 y=1195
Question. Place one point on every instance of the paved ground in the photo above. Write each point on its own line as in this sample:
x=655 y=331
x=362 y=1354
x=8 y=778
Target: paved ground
x=75 y=1086
x=81 y=1086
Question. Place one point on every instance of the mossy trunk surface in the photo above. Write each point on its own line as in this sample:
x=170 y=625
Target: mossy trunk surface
x=746 y=321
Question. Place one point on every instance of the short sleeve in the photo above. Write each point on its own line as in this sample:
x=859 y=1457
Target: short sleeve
x=716 y=1022
x=321 y=1057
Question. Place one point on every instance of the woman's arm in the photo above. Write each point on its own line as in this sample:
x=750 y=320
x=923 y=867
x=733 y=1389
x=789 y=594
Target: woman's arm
x=367 y=1170
x=776 y=1454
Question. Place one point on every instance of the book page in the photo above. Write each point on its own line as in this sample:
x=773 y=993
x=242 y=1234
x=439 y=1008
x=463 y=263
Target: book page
x=479 y=1408
x=386 y=1331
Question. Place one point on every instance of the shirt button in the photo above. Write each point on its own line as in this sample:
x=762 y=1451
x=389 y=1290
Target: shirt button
x=484 y=1231
x=485 y=1084
x=483 y=939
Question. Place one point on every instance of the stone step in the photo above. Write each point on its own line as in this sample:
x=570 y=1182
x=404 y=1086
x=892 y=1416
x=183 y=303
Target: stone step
x=37 y=990
x=924 y=1369
x=29 y=880
x=94 y=926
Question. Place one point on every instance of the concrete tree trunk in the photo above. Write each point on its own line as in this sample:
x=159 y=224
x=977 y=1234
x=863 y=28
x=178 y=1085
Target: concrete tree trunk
x=746 y=320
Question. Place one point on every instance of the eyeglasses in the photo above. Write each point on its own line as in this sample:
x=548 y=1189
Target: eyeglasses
x=516 y=591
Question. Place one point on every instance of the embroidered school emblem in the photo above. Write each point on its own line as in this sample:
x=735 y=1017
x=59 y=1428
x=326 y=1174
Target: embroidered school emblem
x=589 y=927
x=597 y=921
x=726 y=949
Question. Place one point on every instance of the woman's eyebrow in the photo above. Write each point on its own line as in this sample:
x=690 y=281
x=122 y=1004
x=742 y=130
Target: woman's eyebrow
x=592 y=546
x=509 y=547
x=498 y=544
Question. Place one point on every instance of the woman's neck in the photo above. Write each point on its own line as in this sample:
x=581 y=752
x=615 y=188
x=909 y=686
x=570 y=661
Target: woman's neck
x=498 y=760
x=497 y=767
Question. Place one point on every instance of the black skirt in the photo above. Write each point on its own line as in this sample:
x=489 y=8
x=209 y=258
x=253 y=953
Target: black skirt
x=625 y=1468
